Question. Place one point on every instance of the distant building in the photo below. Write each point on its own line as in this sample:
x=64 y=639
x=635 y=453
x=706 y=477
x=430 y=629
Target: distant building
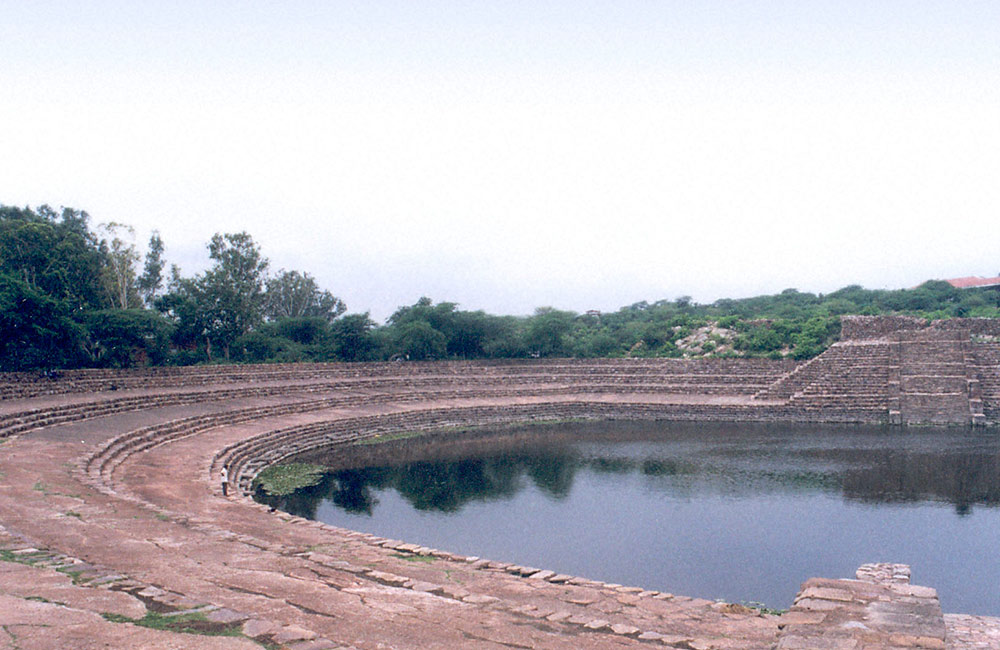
x=973 y=282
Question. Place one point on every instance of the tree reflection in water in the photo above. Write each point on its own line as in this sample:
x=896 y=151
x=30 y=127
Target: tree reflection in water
x=713 y=510
x=868 y=465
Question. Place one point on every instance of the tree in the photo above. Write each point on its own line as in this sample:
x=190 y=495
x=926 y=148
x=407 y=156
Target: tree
x=231 y=293
x=122 y=338
x=418 y=340
x=53 y=253
x=36 y=330
x=223 y=303
x=151 y=280
x=118 y=273
x=296 y=295
x=352 y=337
x=548 y=332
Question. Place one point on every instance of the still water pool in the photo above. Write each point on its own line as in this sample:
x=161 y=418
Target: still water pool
x=737 y=512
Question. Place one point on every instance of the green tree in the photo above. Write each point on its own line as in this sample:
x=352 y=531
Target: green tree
x=151 y=280
x=122 y=338
x=53 y=253
x=226 y=301
x=548 y=332
x=36 y=330
x=418 y=340
x=232 y=291
x=352 y=337
x=296 y=295
x=118 y=275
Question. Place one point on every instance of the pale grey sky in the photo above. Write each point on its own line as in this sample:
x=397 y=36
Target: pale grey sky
x=507 y=156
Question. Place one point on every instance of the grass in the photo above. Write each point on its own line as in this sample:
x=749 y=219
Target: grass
x=282 y=480
x=20 y=558
x=194 y=623
x=764 y=609
x=75 y=576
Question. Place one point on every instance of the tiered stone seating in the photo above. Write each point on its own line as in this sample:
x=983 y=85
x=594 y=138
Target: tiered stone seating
x=137 y=390
x=738 y=374
x=849 y=375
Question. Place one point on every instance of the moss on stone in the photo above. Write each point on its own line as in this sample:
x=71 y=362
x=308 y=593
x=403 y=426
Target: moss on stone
x=282 y=480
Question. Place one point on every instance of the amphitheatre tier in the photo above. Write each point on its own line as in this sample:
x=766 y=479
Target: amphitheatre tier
x=111 y=506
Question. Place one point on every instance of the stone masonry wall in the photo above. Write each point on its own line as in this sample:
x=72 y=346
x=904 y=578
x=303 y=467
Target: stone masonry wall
x=878 y=327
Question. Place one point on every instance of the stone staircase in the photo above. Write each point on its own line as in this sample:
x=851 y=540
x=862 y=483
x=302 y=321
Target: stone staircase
x=850 y=375
x=928 y=375
x=931 y=379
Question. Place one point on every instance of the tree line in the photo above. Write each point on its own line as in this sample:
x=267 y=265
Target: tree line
x=72 y=296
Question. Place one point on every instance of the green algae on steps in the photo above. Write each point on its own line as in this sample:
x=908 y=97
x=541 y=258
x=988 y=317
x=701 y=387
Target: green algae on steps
x=282 y=480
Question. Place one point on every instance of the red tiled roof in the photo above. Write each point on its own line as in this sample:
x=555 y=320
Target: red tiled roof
x=972 y=282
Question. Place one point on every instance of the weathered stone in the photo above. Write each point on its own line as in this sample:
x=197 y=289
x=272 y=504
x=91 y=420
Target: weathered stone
x=256 y=627
x=799 y=617
x=826 y=593
x=225 y=616
x=288 y=633
x=596 y=624
x=624 y=630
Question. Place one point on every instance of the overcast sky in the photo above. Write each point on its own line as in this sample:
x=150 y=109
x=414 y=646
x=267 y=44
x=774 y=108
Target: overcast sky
x=511 y=155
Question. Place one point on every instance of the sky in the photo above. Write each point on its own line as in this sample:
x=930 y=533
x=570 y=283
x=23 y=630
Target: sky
x=511 y=155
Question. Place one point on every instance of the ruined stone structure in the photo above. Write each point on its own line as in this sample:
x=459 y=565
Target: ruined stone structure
x=111 y=507
x=905 y=370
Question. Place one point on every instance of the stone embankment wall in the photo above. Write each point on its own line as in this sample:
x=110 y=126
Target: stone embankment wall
x=877 y=327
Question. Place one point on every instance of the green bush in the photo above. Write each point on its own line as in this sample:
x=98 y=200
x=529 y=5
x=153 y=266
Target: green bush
x=727 y=322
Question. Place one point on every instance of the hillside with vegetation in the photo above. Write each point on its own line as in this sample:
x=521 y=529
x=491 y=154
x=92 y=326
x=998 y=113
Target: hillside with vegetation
x=75 y=296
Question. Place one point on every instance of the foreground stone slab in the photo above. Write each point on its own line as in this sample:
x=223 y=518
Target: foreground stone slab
x=879 y=610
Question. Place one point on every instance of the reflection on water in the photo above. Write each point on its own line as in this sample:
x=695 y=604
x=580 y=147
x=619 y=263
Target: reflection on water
x=740 y=512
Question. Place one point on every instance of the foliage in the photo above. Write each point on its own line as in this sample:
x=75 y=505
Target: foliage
x=547 y=333
x=419 y=340
x=53 y=254
x=121 y=338
x=36 y=330
x=226 y=301
x=351 y=338
x=118 y=273
x=292 y=294
x=151 y=280
x=70 y=298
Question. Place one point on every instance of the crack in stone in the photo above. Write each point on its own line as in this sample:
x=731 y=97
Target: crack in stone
x=476 y=637
x=307 y=610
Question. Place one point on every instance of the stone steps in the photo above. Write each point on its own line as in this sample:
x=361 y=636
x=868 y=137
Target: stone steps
x=934 y=379
x=878 y=610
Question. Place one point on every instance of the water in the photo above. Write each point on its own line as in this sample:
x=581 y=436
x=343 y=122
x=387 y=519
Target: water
x=738 y=512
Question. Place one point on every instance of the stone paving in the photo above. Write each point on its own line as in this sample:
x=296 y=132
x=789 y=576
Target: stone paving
x=93 y=559
x=880 y=609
